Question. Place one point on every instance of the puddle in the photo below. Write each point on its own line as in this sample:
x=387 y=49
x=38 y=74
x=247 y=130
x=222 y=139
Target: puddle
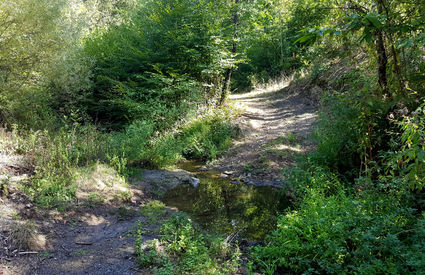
x=222 y=207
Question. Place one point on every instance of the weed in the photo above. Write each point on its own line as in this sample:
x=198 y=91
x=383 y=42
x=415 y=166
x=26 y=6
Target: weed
x=124 y=213
x=80 y=253
x=46 y=255
x=94 y=199
x=291 y=137
x=4 y=186
x=24 y=235
x=193 y=251
x=124 y=196
x=154 y=210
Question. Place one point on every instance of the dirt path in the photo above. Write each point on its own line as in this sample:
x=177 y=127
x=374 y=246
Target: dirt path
x=93 y=238
x=275 y=128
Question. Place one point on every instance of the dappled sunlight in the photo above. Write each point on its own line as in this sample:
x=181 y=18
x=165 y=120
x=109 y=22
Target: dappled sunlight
x=290 y=148
x=272 y=86
x=101 y=183
x=91 y=219
x=275 y=125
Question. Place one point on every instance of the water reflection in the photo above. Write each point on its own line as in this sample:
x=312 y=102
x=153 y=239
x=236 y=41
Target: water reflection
x=222 y=207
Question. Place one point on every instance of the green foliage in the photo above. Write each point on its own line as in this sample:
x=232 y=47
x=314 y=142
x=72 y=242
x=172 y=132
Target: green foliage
x=4 y=186
x=341 y=234
x=408 y=161
x=132 y=142
x=267 y=33
x=183 y=249
x=197 y=253
x=54 y=155
x=350 y=132
x=159 y=66
x=307 y=176
x=203 y=138
x=28 y=41
x=154 y=210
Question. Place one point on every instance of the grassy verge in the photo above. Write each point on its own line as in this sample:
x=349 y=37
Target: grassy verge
x=72 y=161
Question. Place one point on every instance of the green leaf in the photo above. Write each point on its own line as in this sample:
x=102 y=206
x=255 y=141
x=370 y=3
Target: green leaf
x=374 y=20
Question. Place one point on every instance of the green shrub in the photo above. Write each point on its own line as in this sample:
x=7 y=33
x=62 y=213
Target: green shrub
x=341 y=234
x=4 y=185
x=131 y=143
x=154 y=210
x=307 y=175
x=53 y=191
x=351 y=131
x=194 y=252
x=166 y=150
x=154 y=67
x=406 y=160
x=205 y=139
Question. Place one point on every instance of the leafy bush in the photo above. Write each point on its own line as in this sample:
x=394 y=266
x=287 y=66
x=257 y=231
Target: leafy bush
x=341 y=234
x=159 y=65
x=351 y=132
x=307 y=175
x=406 y=160
x=207 y=138
x=203 y=138
x=192 y=251
x=132 y=142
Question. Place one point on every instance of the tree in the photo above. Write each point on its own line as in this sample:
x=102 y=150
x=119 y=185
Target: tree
x=28 y=38
x=228 y=75
x=170 y=53
x=382 y=24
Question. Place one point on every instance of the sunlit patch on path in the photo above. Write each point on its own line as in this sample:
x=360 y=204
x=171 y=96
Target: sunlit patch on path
x=276 y=126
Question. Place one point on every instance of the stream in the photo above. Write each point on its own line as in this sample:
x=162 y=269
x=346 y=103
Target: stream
x=223 y=206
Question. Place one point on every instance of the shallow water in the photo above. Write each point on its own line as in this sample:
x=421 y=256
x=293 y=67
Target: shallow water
x=222 y=207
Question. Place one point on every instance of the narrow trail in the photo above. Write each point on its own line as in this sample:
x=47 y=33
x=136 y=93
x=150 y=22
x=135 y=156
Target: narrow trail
x=275 y=125
x=275 y=128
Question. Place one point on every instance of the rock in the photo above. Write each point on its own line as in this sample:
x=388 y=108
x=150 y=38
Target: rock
x=228 y=173
x=224 y=176
x=164 y=180
x=194 y=182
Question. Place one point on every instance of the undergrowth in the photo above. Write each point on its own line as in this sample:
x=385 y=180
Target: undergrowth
x=184 y=249
x=359 y=200
x=56 y=155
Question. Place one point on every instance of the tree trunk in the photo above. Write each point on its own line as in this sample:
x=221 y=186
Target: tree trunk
x=382 y=62
x=228 y=78
x=382 y=54
x=396 y=66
